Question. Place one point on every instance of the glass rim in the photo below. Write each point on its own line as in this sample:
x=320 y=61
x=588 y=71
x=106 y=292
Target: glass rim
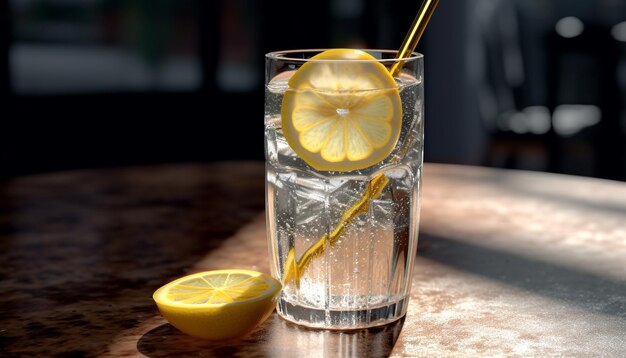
x=286 y=55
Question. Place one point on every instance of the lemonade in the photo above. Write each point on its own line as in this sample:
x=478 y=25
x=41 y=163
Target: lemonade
x=355 y=143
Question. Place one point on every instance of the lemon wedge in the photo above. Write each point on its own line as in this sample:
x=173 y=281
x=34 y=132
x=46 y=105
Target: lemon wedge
x=219 y=304
x=342 y=115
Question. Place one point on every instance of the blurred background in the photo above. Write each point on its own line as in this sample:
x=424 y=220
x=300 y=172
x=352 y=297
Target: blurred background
x=525 y=84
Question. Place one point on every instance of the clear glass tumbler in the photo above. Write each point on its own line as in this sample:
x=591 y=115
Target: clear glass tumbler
x=344 y=153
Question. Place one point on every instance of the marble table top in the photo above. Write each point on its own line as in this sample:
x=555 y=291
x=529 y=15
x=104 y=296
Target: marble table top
x=510 y=264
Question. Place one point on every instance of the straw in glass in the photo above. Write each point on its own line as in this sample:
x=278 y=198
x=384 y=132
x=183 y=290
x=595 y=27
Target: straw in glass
x=294 y=268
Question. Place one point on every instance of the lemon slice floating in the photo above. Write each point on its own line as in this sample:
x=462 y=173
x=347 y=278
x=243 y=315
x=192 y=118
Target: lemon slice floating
x=220 y=304
x=342 y=115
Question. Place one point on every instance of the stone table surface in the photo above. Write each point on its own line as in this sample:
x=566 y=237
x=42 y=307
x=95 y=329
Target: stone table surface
x=510 y=264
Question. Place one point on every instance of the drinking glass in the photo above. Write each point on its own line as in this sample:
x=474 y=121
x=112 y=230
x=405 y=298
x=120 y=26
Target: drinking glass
x=343 y=242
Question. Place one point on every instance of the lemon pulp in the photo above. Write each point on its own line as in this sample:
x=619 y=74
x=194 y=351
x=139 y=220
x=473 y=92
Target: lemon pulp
x=342 y=115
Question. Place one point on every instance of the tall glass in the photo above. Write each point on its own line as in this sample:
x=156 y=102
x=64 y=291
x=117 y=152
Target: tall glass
x=343 y=242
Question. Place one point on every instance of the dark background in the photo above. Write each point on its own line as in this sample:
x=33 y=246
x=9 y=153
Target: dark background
x=527 y=84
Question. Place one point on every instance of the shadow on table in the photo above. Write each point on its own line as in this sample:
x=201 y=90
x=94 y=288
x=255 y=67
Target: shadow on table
x=275 y=338
x=581 y=289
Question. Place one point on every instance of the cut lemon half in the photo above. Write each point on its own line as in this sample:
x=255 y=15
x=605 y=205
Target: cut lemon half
x=342 y=111
x=220 y=304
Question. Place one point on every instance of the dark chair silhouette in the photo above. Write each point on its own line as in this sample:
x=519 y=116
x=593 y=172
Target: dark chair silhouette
x=583 y=70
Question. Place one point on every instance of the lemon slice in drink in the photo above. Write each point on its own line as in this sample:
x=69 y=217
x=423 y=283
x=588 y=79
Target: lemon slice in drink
x=220 y=304
x=342 y=115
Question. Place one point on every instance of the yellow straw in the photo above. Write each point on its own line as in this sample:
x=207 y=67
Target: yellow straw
x=295 y=268
x=413 y=36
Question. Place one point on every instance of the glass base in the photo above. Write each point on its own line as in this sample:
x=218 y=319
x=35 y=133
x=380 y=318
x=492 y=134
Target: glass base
x=341 y=320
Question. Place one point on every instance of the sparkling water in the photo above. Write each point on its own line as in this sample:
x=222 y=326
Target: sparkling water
x=363 y=279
